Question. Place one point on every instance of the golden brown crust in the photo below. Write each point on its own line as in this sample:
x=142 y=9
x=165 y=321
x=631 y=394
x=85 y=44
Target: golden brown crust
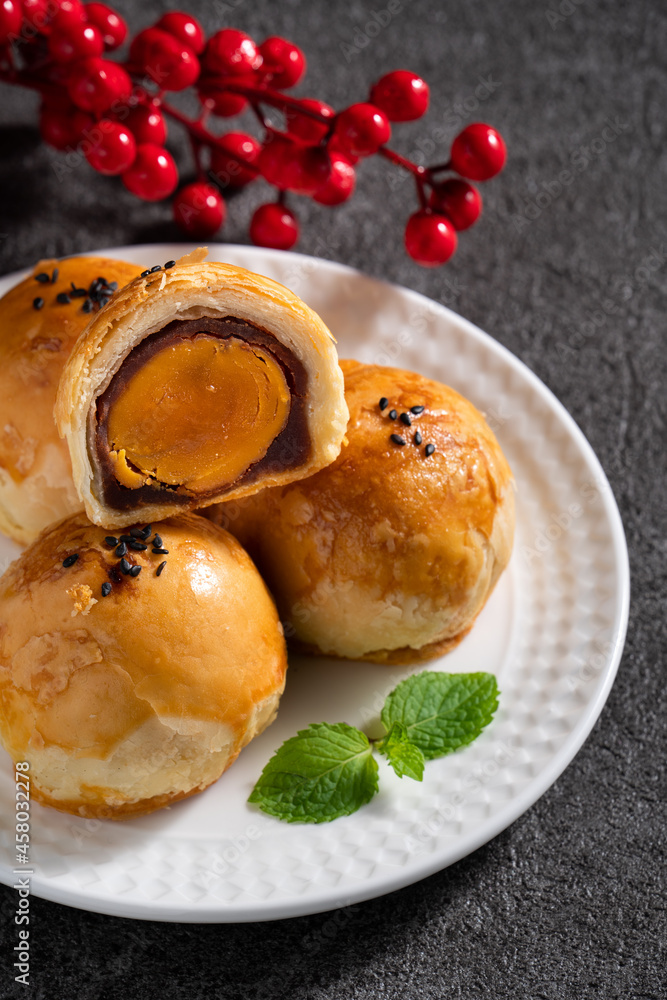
x=128 y=810
x=35 y=471
x=387 y=554
x=122 y=703
x=406 y=656
x=195 y=288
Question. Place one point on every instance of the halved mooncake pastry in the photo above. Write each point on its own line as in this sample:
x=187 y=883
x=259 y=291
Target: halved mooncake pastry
x=199 y=382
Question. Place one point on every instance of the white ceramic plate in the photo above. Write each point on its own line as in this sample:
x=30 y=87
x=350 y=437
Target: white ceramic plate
x=552 y=632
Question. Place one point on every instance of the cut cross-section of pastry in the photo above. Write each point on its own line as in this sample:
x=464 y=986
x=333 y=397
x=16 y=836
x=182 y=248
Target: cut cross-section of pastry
x=201 y=382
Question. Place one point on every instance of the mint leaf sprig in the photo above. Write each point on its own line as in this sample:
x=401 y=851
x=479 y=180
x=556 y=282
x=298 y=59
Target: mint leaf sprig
x=328 y=770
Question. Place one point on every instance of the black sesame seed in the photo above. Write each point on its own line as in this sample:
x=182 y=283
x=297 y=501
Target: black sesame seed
x=136 y=532
x=384 y=403
x=70 y=560
x=42 y=278
x=417 y=409
x=106 y=589
x=113 y=285
x=393 y=414
x=158 y=267
x=160 y=568
x=63 y=298
x=138 y=546
x=405 y=419
x=397 y=439
x=135 y=571
x=170 y=263
x=121 y=550
x=125 y=566
x=417 y=438
x=54 y=276
x=144 y=273
x=159 y=551
x=37 y=303
x=87 y=306
x=78 y=293
x=126 y=538
x=111 y=541
x=429 y=449
x=157 y=541
x=146 y=531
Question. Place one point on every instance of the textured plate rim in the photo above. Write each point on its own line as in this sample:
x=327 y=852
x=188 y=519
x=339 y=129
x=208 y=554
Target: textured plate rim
x=539 y=784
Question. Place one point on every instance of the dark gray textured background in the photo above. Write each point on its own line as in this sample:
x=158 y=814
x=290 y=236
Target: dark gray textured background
x=568 y=902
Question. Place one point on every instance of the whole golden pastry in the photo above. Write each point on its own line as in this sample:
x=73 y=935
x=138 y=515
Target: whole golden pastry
x=126 y=691
x=390 y=553
x=37 y=332
x=198 y=381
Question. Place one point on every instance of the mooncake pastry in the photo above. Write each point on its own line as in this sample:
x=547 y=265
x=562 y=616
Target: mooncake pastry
x=40 y=320
x=132 y=672
x=198 y=382
x=390 y=553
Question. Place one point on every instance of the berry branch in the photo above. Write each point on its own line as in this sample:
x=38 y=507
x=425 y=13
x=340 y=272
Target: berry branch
x=114 y=114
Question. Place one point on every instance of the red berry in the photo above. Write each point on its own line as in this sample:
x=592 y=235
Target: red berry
x=273 y=225
x=334 y=146
x=94 y=84
x=226 y=168
x=165 y=59
x=231 y=53
x=75 y=41
x=430 y=239
x=37 y=14
x=11 y=17
x=54 y=128
x=292 y=167
x=275 y=160
x=459 y=201
x=402 y=95
x=113 y=27
x=185 y=28
x=362 y=129
x=211 y=93
x=81 y=123
x=340 y=185
x=199 y=209
x=153 y=175
x=61 y=127
x=68 y=14
x=283 y=61
x=44 y=15
x=310 y=171
x=309 y=129
x=478 y=152
x=147 y=124
x=114 y=150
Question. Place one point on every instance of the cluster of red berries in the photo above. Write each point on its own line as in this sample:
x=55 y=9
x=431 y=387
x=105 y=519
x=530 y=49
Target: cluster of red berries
x=114 y=114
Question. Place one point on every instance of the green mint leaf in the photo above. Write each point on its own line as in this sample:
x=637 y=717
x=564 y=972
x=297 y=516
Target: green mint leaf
x=323 y=772
x=406 y=759
x=442 y=712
